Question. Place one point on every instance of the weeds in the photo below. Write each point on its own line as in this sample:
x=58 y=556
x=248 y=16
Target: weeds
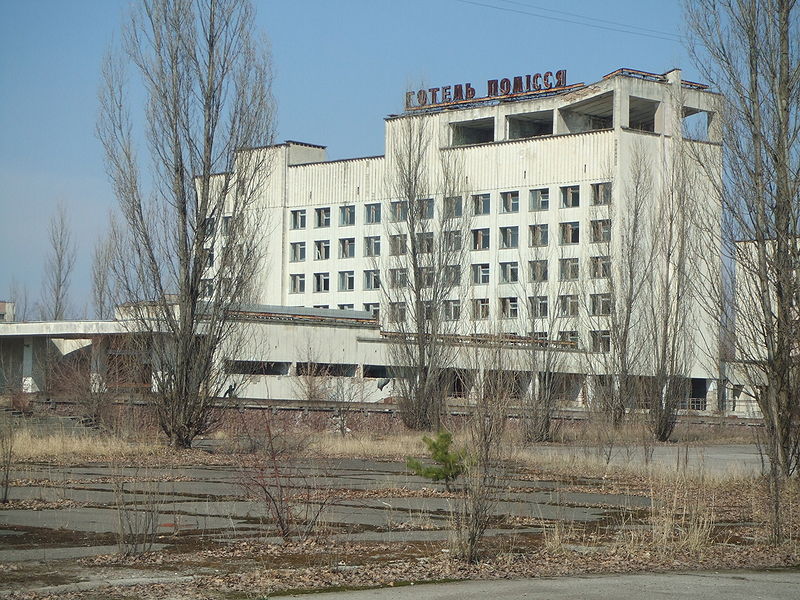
x=137 y=522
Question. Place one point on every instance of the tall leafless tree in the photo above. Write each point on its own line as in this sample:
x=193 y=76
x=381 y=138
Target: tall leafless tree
x=748 y=49
x=54 y=301
x=186 y=257
x=424 y=268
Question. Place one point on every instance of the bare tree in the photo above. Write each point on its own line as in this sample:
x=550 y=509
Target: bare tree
x=102 y=274
x=186 y=258
x=426 y=261
x=748 y=50
x=18 y=294
x=54 y=300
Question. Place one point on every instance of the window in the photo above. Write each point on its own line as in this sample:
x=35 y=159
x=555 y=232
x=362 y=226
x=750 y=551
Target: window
x=452 y=240
x=322 y=250
x=570 y=337
x=425 y=242
x=398 y=278
x=347 y=247
x=298 y=219
x=206 y=288
x=372 y=214
x=570 y=196
x=509 y=202
x=481 y=204
x=372 y=245
x=538 y=306
x=298 y=283
x=399 y=210
x=451 y=310
x=297 y=252
x=601 y=340
x=480 y=274
x=509 y=272
x=452 y=207
x=601 y=267
x=347 y=281
x=210 y=257
x=347 y=215
x=425 y=208
x=538 y=270
x=322 y=217
x=397 y=312
x=372 y=279
x=539 y=199
x=346 y=306
x=480 y=239
x=426 y=276
x=570 y=233
x=321 y=306
x=209 y=226
x=540 y=336
x=568 y=269
x=601 y=194
x=452 y=275
x=601 y=230
x=600 y=304
x=509 y=307
x=427 y=310
x=538 y=235
x=509 y=237
x=226 y=225
x=568 y=305
x=397 y=244
x=374 y=308
x=480 y=308
x=322 y=282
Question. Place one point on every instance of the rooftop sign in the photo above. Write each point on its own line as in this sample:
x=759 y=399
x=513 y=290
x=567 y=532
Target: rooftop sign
x=460 y=93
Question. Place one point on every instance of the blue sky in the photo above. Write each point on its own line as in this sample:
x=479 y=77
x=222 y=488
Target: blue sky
x=340 y=67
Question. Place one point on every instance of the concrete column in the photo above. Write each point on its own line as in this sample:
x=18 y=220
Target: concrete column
x=29 y=383
x=98 y=369
x=622 y=110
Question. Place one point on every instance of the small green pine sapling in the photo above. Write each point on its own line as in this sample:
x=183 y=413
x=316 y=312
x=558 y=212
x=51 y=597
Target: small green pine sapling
x=449 y=464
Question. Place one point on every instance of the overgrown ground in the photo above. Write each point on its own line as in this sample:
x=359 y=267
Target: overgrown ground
x=688 y=516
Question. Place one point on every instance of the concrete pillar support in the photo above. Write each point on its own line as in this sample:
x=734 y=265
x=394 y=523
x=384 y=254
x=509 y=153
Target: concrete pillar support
x=29 y=383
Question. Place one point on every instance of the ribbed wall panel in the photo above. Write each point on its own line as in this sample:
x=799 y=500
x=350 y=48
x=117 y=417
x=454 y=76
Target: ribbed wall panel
x=340 y=182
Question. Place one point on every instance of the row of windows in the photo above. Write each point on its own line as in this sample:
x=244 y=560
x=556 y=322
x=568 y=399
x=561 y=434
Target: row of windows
x=538 y=236
x=481 y=204
x=568 y=270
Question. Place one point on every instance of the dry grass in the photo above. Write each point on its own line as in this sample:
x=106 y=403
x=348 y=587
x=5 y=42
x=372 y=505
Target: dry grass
x=363 y=445
x=30 y=447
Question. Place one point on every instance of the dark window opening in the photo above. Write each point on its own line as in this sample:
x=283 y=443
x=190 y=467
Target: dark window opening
x=480 y=131
x=256 y=367
x=528 y=125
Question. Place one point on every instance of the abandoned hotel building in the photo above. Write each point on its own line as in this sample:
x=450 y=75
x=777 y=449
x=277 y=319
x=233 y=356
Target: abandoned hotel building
x=523 y=206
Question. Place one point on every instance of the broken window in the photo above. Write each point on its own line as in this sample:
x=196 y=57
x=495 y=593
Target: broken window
x=375 y=309
x=425 y=208
x=452 y=275
x=509 y=272
x=322 y=250
x=478 y=131
x=397 y=244
x=480 y=274
x=601 y=267
x=538 y=235
x=538 y=269
x=509 y=202
x=481 y=204
x=372 y=213
x=426 y=275
x=298 y=219
x=297 y=252
x=480 y=239
x=570 y=233
x=538 y=306
x=528 y=125
x=540 y=199
x=347 y=247
x=398 y=278
x=571 y=337
x=206 y=288
x=570 y=196
x=346 y=306
x=322 y=282
x=601 y=194
x=298 y=283
x=600 y=304
x=452 y=207
x=347 y=215
x=397 y=312
x=509 y=237
x=399 y=210
x=600 y=340
x=568 y=305
x=480 y=308
x=451 y=310
x=601 y=230
x=509 y=307
x=322 y=217
x=452 y=240
x=568 y=269
x=425 y=242
x=372 y=245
